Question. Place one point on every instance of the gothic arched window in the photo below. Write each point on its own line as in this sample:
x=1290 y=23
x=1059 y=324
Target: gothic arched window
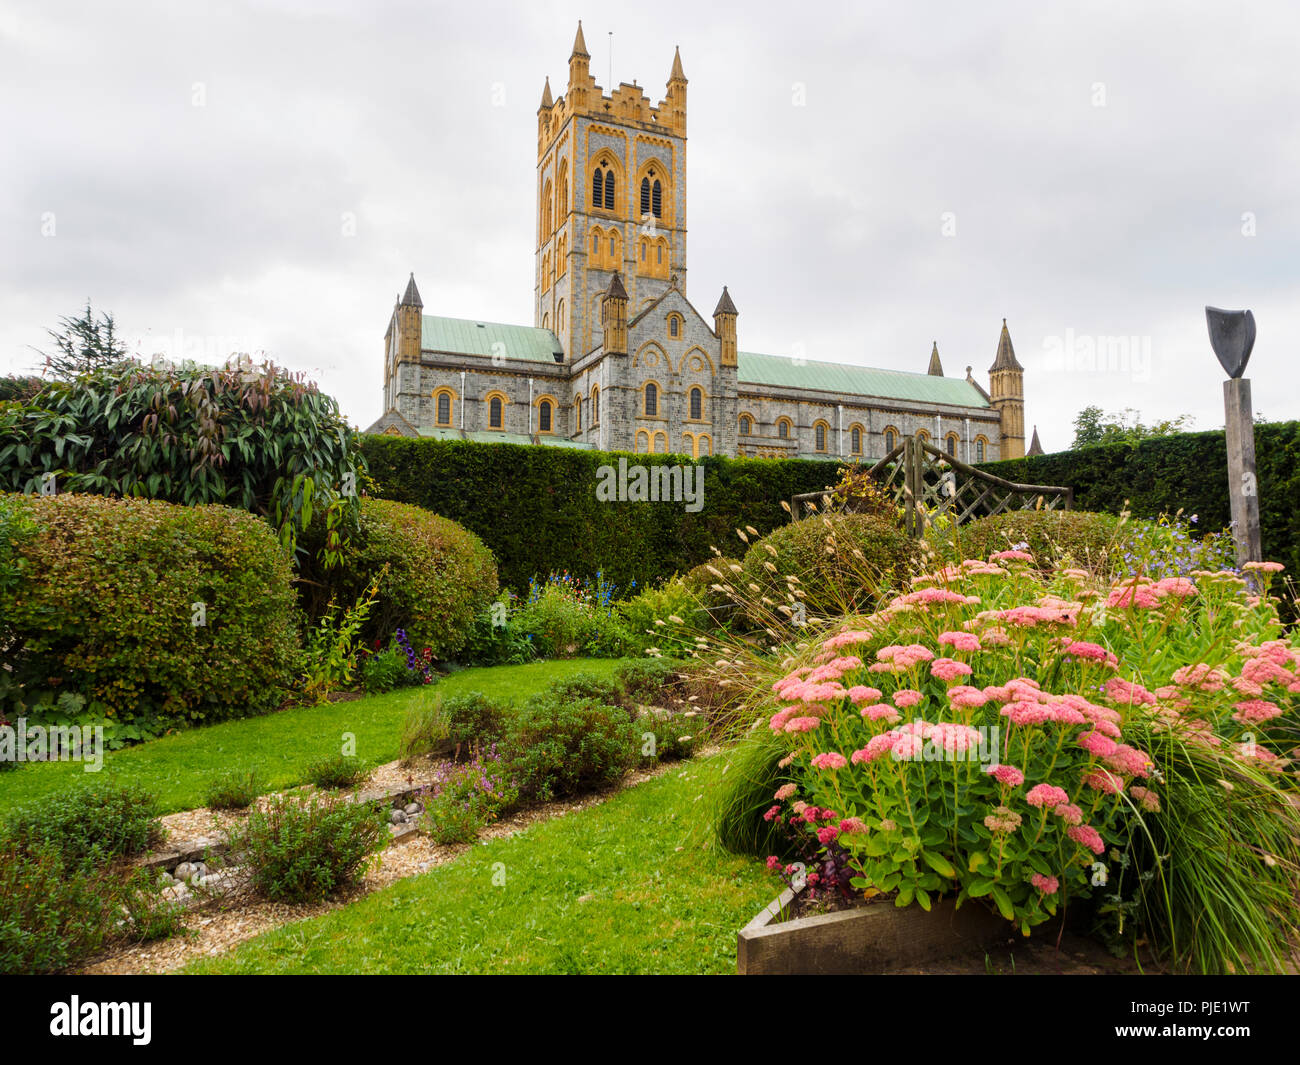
x=821 y=437
x=598 y=188
x=783 y=429
x=952 y=444
x=595 y=404
x=979 y=449
x=656 y=201
x=645 y=196
x=746 y=425
x=891 y=439
x=609 y=189
x=494 y=413
x=544 y=416
x=697 y=403
x=856 y=440
x=443 y=400
x=651 y=400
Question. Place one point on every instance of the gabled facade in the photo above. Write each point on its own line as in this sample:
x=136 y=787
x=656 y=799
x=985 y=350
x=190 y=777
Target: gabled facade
x=618 y=358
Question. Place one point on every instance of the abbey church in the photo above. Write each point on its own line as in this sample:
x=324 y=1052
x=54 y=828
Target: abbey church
x=618 y=358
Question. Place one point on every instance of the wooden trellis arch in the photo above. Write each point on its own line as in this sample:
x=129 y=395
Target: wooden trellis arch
x=918 y=472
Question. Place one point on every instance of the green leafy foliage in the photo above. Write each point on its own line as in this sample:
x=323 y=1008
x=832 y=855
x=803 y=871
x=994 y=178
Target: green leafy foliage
x=555 y=747
x=233 y=790
x=156 y=615
x=337 y=771
x=1073 y=536
x=435 y=576
x=52 y=916
x=829 y=563
x=566 y=618
x=494 y=639
x=331 y=653
x=646 y=680
x=87 y=826
x=306 y=851
x=467 y=797
x=475 y=718
x=536 y=507
x=257 y=438
x=661 y=617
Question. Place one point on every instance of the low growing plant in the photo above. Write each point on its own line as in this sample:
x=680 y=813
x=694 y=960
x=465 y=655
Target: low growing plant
x=554 y=748
x=87 y=826
x=233 y=790
x=337 y=771
x=465 y=797
x=296 y=851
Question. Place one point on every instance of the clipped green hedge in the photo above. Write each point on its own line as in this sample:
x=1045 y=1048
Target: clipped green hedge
x=103 y=609
x=536 y=507
x=1083 y=537
x=1188 y=471
x=841 y=561
x=439 y=576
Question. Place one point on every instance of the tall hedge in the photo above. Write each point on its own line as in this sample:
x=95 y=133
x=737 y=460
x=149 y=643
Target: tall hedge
x=100 y=602
x=537 y=507
x=1188 y=471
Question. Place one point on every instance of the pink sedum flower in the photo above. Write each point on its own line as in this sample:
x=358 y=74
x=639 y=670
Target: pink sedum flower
x=1007 y=775
x=949 y=669
x=1087 y=836
x=906 y=697
x=1048 y=885
x=960 y=641
x=831 y=760
x=1046 y=795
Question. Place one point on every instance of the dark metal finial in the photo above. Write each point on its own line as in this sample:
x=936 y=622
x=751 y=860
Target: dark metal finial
x=1232 y=335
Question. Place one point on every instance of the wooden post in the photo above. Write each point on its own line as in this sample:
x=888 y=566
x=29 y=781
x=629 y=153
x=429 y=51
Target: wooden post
x=909 y=499
x=1243 y=487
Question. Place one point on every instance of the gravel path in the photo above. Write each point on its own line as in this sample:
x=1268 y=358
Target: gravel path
x=217 y=926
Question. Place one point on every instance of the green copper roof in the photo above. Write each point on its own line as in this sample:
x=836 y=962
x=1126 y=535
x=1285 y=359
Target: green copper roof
x=844 y=379
x=465 y=336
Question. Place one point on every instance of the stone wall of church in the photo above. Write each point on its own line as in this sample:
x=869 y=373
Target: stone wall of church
x=675 y=366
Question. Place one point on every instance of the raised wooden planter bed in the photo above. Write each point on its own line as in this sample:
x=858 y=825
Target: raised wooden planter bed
x=873 y=938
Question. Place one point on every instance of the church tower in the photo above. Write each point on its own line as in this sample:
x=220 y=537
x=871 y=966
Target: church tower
x=611 y=198
x=1007 y=394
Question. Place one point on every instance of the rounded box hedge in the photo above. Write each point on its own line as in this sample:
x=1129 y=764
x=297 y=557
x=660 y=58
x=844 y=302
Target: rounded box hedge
x=440 y=576
x=156 y=614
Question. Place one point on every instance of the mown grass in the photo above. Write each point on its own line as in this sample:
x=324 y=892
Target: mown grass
x=179 y=769
x=633 y=885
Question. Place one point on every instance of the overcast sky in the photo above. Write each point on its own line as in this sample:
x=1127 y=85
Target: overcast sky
x=866 y=178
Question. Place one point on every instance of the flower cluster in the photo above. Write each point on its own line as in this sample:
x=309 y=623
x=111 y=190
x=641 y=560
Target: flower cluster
x=972 y=732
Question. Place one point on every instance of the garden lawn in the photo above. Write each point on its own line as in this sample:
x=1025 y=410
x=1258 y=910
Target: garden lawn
x=632 y=885
x=279 y=746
